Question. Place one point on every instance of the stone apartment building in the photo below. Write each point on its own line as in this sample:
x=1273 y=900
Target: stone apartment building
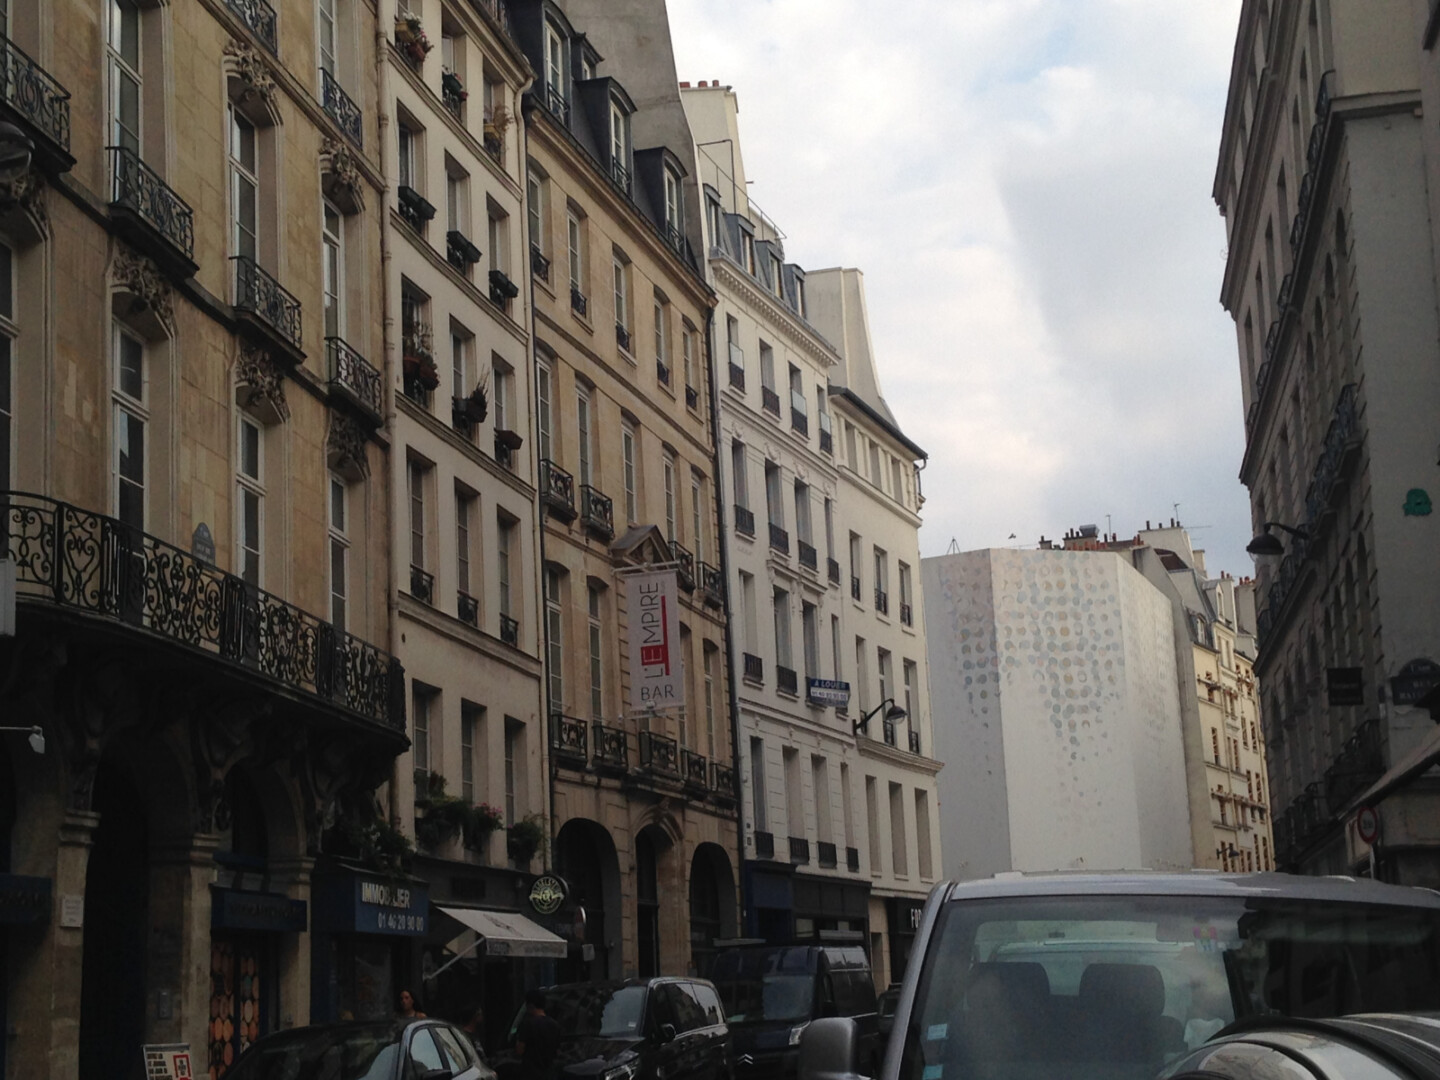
x=193 y=403
x=1325 y=178
x=642 y=802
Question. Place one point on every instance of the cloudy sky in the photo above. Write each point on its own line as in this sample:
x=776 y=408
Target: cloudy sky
x=1026 y=185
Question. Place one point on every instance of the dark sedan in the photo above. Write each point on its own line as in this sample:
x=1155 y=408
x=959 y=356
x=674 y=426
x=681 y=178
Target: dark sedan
x=384 y=1050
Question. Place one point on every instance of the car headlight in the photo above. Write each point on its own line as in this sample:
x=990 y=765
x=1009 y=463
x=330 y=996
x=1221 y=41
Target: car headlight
x=795 y=1033
x=621 y=1072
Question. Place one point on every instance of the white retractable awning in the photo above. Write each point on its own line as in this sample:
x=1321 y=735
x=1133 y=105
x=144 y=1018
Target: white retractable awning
x=507 y=933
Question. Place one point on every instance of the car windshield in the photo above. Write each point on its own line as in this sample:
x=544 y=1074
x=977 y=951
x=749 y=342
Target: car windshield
x=1112 y=988
x=597 y=1010
x=342 y=1052
x=770 y=997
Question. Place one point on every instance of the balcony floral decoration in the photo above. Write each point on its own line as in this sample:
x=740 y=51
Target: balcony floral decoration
x=447 y=816
x=419 y=365
x=476 y=406
x=454 y=87
x=360 y=832
x=525 y=838
x=410 y=37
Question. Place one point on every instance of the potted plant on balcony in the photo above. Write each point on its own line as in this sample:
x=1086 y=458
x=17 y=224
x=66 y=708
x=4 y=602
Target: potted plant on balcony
x=419 y=367
x=483 y=819
x=525 y=838
x=362 y=834
x=444 y=815
x=510 y=440
x=453 y=86
x=476 y=406
x=410 y=36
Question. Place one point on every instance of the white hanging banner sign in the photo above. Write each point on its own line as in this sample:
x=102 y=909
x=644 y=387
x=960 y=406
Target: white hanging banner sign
x=654 y=635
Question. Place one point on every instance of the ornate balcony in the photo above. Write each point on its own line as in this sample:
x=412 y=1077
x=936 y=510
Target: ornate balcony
x=414 y=208
x=578 y=304
x=659 y=753
x=259 y=17
x=770 y=400
x=685 y=568
x=510 y=630
x=799 y=850
x=40 y=105
x=539 y=264
x=696 y=770
x=832 y=569
x=99 y=568
x=342 y=109
x=569 y=739
x=354 y=379
x=662 y=372
x=597 y=512
x=764 y=845
x=611 y=749
x=622 y=336
x=422 y=584
x=557 y=491
x=467 y=608
x=914 y=742
x=460 y=252
x=825 y=855
x=712 y=585
x=150 y=215
x=907 y=614
x=754 y=668
x=453 y=94
x=786 y=681
x=722 y=783
x=1359 y=764
x=882 y=601
x=809 y=558
x=744 y=521
x=852 y=860
x=266 y=308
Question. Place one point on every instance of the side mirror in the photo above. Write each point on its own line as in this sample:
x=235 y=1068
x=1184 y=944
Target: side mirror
x=830 y=1049
x=666 y=1033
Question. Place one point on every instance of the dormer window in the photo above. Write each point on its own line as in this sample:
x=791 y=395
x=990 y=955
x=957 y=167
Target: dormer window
x=747 y=252
x=619 y=145
x=587 y=69
x=800 y=296
x=672 y=203
x=777 y=277
x=712 y=210
x=555 y=96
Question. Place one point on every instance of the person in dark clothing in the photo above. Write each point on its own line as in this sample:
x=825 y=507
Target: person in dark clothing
x=537 y=1039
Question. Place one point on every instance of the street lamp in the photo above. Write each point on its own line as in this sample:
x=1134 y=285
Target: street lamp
x=37 y=737
x=1269 y=544
x=895 y=712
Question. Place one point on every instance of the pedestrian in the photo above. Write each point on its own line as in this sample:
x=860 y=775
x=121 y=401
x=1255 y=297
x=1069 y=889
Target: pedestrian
x=475 y=1028
x=537 y=1039
x=408 y=1008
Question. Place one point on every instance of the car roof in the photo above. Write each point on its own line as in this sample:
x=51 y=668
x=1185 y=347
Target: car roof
x=1191 y=883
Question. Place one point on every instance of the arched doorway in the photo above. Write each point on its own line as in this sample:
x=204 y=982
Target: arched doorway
x=712 y=905
x=585 y=857
x=117 y=895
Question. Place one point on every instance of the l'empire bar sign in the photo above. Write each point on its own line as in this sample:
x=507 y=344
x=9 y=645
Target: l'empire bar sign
x=654 y=639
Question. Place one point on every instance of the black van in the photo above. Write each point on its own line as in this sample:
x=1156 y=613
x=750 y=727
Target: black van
x=635 y=1029
x=771 y=992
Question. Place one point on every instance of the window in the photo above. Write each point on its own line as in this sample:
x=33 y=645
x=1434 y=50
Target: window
x=687 y=351
x=862 y=677
x=124 y=54
x=850 y=458
x=627 y=450
x=668 y=470
x=898 y=860
x=709 y=672
x=498 y=233
x=662 y=331
x=922 y=834
x=250 y=500
x=7 y=331
x=514 y=759
x=542 y=411
x=339 y=551
x=747 y=252
x=757 y=784
x=422 y=698
x=672 y=203
x=582 y=424
x=777 y=277
x=737 y=470
x=504 y=540
x=855 y=548
x=464 y=540
x=697 y=504
x=912 y=701
x=872 y=818
x=620 y=142
x=883 y=669
x=470 y=716
x=875 y=464
x=767 y=366
x=500 y=382
x=535 y=208
x=683 y=714
x=794 y=792
x=597 y=668
x=907 y=614
x=333 y=254
x=810 y=628
x=802 y=512
x=897 y=484
x=750 y=614
x=575 y=239
x=820 y=792
x=797 y=392
x=782 y=629
x=622 y=294
x=244 y=187
x=327 y=36
x=829 y=527
x=131 y=417
x=882 y=573
x=839 y=670
x=555 y=64
x=800 y=295
x=456 y=200
x=554 y=640
x=417 y=513
x=408 y=158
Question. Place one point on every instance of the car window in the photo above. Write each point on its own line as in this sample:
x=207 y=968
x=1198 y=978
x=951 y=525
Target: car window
x=457 y=1047
x=661 y=1008
x=424 y=1054
x=710 y=1002
x=692 y=1013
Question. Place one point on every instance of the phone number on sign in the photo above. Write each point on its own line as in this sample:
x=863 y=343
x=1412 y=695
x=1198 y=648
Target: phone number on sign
x=389 y=920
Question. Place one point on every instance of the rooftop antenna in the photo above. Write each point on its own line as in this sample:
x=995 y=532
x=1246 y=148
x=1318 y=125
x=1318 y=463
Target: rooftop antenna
x=954 y=548
x=1108 y=525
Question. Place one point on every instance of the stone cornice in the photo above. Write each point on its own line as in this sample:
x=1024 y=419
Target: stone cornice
x=882 y=751
x=754 y=300
x=446 y=626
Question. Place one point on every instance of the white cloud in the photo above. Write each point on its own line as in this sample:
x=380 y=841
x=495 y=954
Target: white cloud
x=1026 y=184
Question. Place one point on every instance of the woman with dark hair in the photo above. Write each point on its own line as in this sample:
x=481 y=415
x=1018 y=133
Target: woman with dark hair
x=409 y=1009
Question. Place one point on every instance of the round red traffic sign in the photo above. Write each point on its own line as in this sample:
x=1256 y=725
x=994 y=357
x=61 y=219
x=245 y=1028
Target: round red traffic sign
x=1367 y=824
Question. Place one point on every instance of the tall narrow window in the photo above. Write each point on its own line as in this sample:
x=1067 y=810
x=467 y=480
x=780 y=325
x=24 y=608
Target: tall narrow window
x=802 y=512
x=697 y=504
x=820 y=786
x=662 y=332
x=417 y=514
x=627 y=449
x=504 y=540
x=7 y=332
x=597 y=667
x=244 y=187
x=250 y=500
x=777 y=278
x=672 y=203
x=582 y=424
x=339 y=551
x=460 y=364
x=497 y=228
x=535 y=208
x=555 y=640
x=542 y=411
x=574 y=240
x=514 y=761
x=464 y=513
x=810 y=627
x=500 y=383
x=131 y=417
x=406 y=158
x=422 y=698
x=332 y=239
x=327 y=37
x=709 y=700
x=839 y=670
x=555 y=63
x=767 y=366
x=783 y=656
x=899 y=860
x=468 y=723
x=619 y=142
x=687 y=348
x=124 y=50
x=923 y=850
x=872 y=820
x=757 y=785
x=737 y=474
x=668 y=471
x=622 y=294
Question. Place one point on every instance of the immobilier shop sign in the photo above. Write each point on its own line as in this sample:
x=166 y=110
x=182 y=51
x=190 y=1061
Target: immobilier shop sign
x=654 y=633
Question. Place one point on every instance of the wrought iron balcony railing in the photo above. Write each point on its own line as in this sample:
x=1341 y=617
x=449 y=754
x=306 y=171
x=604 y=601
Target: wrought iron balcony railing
x=855 y=589
x=422 y=584
x=779 y=539
x=459 y=251
x=354 y=378
x=35 y=98
x=696 y=770
x=539 y=264
x=467 y=608
x=342 y=108
x=882 y=601
x=764 y=845
x=259 y=17
x=259 y=294
x=832 y=568
x=556 y=102
x=888 y=730
x=414 y=208
x=809 y=558
x=597 y=512
x=737 y=366
x=662 y=372
x=799 y=423
x=557 y=490
x=152 y=215
x=744 y=521
x=799 y=850
x=786 y=680
x=754 y=667
x=1359 y=764
x=509 y=630
x=770 y=400
x=452 y=94
x=622 y=336
x=722 y=783
x=692 y=397
x=100 y=567
x=659 y=753
x=621 y=175
x=712 y=584
x=914 y=742
x=825 y=855
x=827 y=445
x=852 y=860
x=685 y=565
x=907 y=614
x=611 y=748
x=569 y=738
x=578 y=303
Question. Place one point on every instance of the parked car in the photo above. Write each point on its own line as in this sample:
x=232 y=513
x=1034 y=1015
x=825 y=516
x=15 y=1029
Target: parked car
x=772 y=992
x=885 y=1009
x=383 y=1050
x=1367 y=1047
x=1118 y=976
x=635 y=1029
